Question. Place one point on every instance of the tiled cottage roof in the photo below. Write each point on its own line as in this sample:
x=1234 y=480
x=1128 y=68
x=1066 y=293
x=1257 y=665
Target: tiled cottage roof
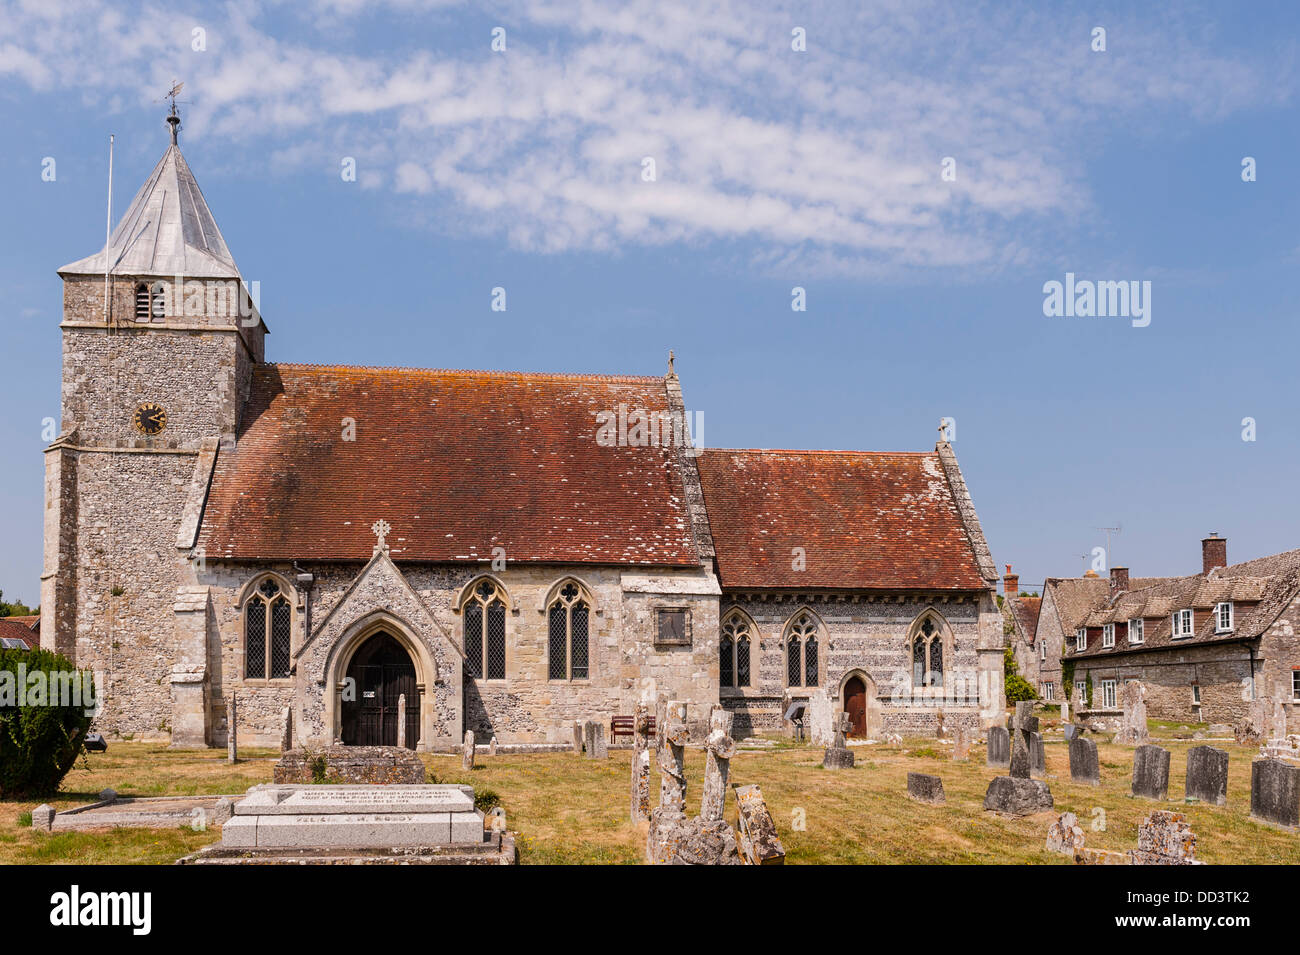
x=1024 y=611
x=457 y=462
x=12 y=630
x=1258 y=589
x=864 y=520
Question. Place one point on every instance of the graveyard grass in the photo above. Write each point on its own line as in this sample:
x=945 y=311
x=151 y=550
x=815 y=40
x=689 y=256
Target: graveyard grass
x=568 y=809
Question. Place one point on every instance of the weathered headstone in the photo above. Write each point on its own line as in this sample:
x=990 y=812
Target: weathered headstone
x=1253 y=727
x=1020 y=759
x=595 y=733
x=1065 y=835
x=1084 y=766
x=232 y=743
x=1037 y=756
x=1275 y=792
x=759 y=842
x=999 y=754
x=1065 y=713
x=719 y=748
x=401 y=721
x=1165 y=838
x=1207 y=775
x=43 y=817
x=1072 y=730
x=1151 y=772
x=838 y=755
x=640 y=810
x=940 y=730
x=819 y=719
x=961 y=743
x=577 y=737
x=467 y=751
x=492 y=745
x=355 y=765
x=1277 y=721
x=286 y=734
x=925 y=788
x=1016 y=796
x=1133 y=727
x=668 y=821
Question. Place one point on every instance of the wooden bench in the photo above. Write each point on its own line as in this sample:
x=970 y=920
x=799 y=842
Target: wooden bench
x=626 y=726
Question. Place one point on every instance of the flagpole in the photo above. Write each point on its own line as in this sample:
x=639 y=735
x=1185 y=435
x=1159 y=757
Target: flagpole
x=108 y=226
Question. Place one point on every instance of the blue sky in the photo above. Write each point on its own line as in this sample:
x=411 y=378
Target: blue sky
x=775 y=168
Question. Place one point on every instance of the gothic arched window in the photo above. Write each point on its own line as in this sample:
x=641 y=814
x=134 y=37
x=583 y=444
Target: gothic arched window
x=568 y=634
x=733 y=652
x=268 y=634
x=927 y=655
x=801 y=665
x=484 y=613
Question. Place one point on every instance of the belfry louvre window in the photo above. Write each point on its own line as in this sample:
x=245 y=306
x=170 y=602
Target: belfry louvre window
x=267 y=633
x=733 y=652
x=150 y=301
x=568 y=640
x=485 y=632
x=801 y=652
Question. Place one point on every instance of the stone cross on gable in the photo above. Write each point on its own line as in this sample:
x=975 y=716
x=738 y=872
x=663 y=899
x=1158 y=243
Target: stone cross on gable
x=380 y=529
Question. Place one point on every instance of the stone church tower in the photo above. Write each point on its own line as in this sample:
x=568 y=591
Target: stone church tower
x=153 y=379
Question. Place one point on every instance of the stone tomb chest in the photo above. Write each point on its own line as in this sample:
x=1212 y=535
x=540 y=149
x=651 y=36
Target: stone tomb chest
x=295 y=816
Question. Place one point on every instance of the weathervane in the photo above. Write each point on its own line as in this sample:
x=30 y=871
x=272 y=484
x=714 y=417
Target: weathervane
x=174 y=118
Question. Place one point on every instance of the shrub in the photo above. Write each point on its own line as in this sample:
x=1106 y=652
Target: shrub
x=486 y=801
x=42 y=727
x=1018 y=689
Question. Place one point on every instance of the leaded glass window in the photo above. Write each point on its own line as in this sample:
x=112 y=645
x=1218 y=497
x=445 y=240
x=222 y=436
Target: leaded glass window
x=268 y=633
x=927 y=655
x=726 y=662
x=801 y=652
x=569 y=621
x=733 y=651
x=484 y=614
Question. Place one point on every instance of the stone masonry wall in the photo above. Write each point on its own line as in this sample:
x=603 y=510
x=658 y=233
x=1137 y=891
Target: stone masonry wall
x=1222 y=671
x=868 y=636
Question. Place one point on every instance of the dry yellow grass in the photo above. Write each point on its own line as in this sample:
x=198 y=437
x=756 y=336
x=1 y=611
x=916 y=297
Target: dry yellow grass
x=567 y=809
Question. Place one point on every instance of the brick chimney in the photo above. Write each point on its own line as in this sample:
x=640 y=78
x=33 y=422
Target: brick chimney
x=1118 y=580
x=1214 y=553
x=1010 y=583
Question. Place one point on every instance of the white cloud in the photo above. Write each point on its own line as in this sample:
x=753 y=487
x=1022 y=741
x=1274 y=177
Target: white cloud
x=825 y=160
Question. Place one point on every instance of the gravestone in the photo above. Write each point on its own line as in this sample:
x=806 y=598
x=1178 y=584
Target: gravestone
x=819 y=719
x=595 y=733
x=1165 y=838
x=1072 y=730
x=669 y=817
x=1065 y=835
x=1014 y=796
x=1133 y=726
x=1275 y=792
x=467 y=751
x=640 y=810
x=380 y=765
x=1084 y=766
x=1037 y=756
x=1207 y=775
x=1151 y=772
x=1277 y=721
x=1065 y=713
x=838 y=755
x=492 y=746
x=1253 y=727
x=577 y=737
x=999 y=754
x=232 y=744
x=940 y=730
x=401 y=721
x=961 y=743
x=286 y=731
x=43 y=817
x=354 y=817
x=925 y=788
x=759 y=842
x=719 y=749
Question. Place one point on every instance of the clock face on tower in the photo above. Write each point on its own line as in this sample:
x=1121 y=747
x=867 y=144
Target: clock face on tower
x=150 y=418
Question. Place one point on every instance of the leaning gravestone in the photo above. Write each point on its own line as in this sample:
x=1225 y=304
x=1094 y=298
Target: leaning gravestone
x=1275 y=792
x=759 y=843
x=1018 y=794
x=999 y=754
x=1084 y=767
x=925 y=788
x=1151 y=772
x=1065 y=835
x=1207 y=775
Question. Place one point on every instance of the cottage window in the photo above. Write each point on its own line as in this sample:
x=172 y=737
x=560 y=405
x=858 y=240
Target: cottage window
x=1108 y=635
x=1049 y=691
x=1295 y=686
x=484 y=615
x=1108 y=694
x=1135 y=630
x=568 y=622
x=267 y=633
x=1223 y=617
x=1081 y=639
x=1182 y=624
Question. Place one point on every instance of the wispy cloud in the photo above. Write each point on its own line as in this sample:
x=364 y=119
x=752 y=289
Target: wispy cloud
x=827 y=159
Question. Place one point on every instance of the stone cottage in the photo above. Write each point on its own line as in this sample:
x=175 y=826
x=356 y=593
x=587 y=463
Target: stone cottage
x=1205 y=645
x=1020 y=627
x=505 y=552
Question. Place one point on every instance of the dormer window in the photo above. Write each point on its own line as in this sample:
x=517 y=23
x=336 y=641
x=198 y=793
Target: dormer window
x=1223 y=617
x=1042 y=652
x=1135 y=630
x=1182 y=624
x=1108 y=635
x=1081 y=639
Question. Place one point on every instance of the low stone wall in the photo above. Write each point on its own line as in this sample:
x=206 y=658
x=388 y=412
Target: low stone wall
x=350 y=764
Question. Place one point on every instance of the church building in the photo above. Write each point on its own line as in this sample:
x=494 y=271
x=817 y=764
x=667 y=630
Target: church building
x=496 y=551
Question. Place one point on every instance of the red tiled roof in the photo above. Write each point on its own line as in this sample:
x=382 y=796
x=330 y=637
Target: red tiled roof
x=1025 y=611
x=872 y=521
x=29 y=620
x=9 y=627
x=457 y=462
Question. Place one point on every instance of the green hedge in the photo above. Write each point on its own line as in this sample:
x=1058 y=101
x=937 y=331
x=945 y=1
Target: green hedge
x=41 y=729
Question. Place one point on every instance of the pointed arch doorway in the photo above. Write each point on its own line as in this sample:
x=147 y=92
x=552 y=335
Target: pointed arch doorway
x=858 y=694
x=383 y=673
